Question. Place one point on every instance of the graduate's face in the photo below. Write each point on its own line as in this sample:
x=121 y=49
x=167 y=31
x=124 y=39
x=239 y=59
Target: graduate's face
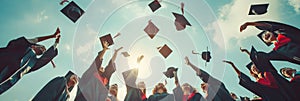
x=160 y=88
x=73 y=80
x=39 y=50
x=254 y=69
x=288 y=72
x=141 y=85
x=268 y=37
x=186 y=87
x=114 y=89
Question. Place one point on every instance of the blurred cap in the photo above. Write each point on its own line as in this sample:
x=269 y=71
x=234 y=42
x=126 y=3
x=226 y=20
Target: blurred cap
x=107 y=38
x=72 y=11
x=180 y=21
x=165 y=51
x=258 y=9
x=154 y=5
x=260 y=36
x=151 y=29
x=206 y=56
x=169 y=73
x=130 y=76
x=125 y=54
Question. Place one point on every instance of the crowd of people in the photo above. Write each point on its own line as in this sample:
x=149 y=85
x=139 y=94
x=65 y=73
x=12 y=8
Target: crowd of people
x=20 y=57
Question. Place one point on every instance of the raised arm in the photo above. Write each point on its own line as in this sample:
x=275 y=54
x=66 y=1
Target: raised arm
x=234 y=67
x=105 y=48
x=245 y=50
x=176 y=78
x=256 y=24
x=42 y=38
x=195 y=68
x=113 y=59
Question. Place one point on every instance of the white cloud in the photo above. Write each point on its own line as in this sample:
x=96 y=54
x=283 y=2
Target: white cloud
x=40 y=17
x=234 y=14
x=295 y=4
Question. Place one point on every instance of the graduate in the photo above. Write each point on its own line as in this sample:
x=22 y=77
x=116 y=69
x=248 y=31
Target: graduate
x=294 y=76
x=142 y=87
x=214 y=89
x=113 y=93
x=133 y=92
x=160 y=93
x=185 y=92
x=57 y=89
x=284 y=37
x=19 y=57
x=266 y=87
x=94 y=83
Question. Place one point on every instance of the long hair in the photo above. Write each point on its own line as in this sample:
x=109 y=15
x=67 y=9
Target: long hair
x=159 y=86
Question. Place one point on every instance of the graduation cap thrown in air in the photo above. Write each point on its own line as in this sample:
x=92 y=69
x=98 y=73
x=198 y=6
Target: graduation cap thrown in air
x=180 y=21
x=165 y=51
x=151 y=29
x=72 y=11
x=258 y=9
x=260 y=36
x=130 y=76
x=125 y=54
x=154 y=5
x=169 y=73
x=107 y=38
x=206 y=55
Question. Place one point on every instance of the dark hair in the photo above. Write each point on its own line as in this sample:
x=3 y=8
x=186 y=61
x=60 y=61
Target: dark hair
x=159 y=86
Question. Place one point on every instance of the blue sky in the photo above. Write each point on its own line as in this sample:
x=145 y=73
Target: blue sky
x=215 y=23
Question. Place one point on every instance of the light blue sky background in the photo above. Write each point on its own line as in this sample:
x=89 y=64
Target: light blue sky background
x=215 y=23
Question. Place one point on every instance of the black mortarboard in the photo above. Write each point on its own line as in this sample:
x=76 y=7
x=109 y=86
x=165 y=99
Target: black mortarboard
x=180 y=21
x=260 y=37
x=108 y=39
x=169 y=73
x=154 y=5
x=72 y=11
x=249 y=65
x=125 y=54
x=151 y=29
x=68 y=75
x=258 y=9
x=206 y=56
x=130 y=76
x=165 y=51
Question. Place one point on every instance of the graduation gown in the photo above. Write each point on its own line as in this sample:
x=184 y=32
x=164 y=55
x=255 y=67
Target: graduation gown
x=161 y=97
x=264 y=65
x=28 y=63
x=133 y=92
x=90 y=87
x=216 y=89
x=295 y=83
x=290 y=51
x=54 y=90
x=265 y=92
x=178 y=95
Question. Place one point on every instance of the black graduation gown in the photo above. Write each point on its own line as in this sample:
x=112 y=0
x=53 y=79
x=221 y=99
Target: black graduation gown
x=216 y=89
x=90 y=88
x=178 y=95
x=25 y=67
x=266 y=93
x=295 y=83
x=54 y=90
x=161 y=97
x=289 y=52
x=264 y=65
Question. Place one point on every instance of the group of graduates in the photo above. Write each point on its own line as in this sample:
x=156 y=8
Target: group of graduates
x=20 y=57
